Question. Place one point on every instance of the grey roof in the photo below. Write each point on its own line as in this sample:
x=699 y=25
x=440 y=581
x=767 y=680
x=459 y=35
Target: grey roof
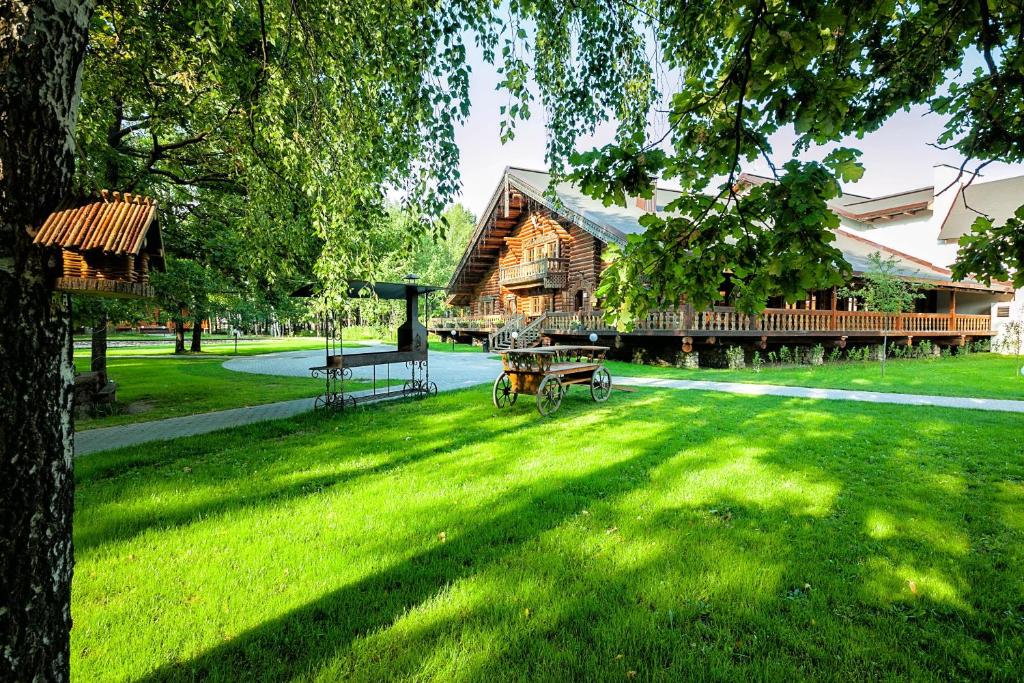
x=619 y=221
x=997 y=199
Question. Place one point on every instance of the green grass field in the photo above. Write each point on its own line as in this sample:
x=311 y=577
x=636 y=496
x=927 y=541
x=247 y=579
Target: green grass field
x=675 y=535
x=155 y=388
x=982 y=375
x=222 y=348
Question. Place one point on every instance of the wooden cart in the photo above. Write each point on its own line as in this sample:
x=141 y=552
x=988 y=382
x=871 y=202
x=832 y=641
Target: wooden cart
x=547 y=372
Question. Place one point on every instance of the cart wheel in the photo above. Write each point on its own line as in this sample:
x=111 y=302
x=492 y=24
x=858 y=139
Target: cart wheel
x=549 y=395
x=601 y=385
x=503 y=394
x=431 y=389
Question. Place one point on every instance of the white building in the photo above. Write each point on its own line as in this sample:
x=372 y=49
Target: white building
x=927 y=223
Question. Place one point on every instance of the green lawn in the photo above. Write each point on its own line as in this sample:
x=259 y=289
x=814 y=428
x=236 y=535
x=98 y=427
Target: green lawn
x=222 y=347
x=677 y=535
x=984 y=375
x=457 y=348
x=155 y=388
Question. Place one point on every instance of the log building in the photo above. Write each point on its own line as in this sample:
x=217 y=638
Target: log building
x=532 y=266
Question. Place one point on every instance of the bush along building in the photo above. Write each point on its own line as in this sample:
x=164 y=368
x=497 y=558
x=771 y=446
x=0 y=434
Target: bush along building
x=532 y=266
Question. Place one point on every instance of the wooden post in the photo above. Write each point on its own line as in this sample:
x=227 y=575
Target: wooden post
x=952 y=310
x=832 y=317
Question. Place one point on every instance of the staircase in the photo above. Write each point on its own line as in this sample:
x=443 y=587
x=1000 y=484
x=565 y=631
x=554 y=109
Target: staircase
x=525 y=336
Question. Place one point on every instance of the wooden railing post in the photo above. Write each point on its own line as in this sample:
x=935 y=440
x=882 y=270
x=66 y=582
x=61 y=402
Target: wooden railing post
x=832 y=315
x=952 y=310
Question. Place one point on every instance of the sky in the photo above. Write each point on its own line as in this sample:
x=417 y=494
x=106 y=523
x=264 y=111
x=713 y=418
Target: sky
x=896 y=157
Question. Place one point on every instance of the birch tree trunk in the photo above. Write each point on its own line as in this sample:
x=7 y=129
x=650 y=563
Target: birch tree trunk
x=41 y=50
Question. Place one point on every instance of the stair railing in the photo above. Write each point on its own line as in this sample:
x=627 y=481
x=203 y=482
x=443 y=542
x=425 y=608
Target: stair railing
x=503 y=335
x=529 y=335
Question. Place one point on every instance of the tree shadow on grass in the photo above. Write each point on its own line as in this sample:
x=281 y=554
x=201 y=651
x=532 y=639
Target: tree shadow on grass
x=304 y=638
x=208 y=462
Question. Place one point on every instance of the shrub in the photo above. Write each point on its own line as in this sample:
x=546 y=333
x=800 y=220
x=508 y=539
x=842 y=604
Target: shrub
x=735 y=358
x=963 y=350
x=757 y=362
x=982 y=346
x=639 y=356
x=925 y=348
x=945 y=353
x=876 y=352
x=815 y=355
x=834 y=354
x=773 y=357
x=785 y=355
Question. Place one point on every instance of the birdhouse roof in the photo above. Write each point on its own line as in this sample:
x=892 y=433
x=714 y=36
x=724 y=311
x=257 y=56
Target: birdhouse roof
x=113 y=223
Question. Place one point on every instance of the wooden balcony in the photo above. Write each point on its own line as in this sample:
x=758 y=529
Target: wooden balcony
x=550 y=273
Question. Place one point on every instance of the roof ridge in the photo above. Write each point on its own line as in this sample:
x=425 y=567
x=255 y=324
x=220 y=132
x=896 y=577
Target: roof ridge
x=893 y=195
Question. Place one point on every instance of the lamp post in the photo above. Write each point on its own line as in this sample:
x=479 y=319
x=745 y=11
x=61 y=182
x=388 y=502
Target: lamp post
x=515 y=337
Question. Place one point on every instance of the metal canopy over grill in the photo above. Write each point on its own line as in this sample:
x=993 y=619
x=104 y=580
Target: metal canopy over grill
x=412 y=349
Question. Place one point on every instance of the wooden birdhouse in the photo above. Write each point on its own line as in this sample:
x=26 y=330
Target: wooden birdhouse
x=108 y=245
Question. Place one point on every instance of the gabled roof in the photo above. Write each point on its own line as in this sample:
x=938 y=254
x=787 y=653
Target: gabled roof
x=607 y=223
x=997 y=199
x=112 y=223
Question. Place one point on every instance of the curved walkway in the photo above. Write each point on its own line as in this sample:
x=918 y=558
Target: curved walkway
x=456 y=371
x=1004 y=405
x=448 y=370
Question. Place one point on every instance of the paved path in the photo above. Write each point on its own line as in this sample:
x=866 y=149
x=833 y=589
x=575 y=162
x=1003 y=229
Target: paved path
x=106 y=438
x=455 y=371
x=1005 y=405
x=448 y=370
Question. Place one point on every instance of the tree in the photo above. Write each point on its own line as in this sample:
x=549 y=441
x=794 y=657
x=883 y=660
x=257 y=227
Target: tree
x=41 y=44
x=828 y=70
x=184 y=291
x=97 y=313
x=883 y=291
x=318 y=106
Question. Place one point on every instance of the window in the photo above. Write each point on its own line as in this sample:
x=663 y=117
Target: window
x=1003 y=311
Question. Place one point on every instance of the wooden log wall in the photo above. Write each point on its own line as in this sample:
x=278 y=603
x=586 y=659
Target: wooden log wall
x=581 y=249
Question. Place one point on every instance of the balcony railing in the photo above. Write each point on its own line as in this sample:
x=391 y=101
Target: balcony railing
x=469 y=323
x=779 y=321
x=549 y=272
x=725 y=319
